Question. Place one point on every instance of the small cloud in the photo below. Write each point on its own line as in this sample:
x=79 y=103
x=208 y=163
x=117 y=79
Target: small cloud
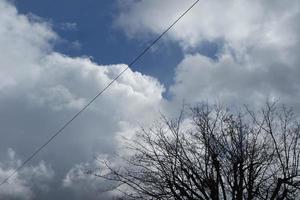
x=68 y=26
x=76 y=45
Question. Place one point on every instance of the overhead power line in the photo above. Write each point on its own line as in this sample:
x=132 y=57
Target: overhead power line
x=93 y=99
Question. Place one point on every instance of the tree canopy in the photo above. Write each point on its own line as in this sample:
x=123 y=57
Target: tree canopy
x=213 y=153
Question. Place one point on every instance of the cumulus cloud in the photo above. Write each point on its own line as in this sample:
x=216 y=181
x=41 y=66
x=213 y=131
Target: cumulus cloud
x=27 y=181
x=41 y=89
x=22 y=42
x=233 y=82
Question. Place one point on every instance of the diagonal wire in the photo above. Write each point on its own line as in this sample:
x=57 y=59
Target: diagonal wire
x=93 y=99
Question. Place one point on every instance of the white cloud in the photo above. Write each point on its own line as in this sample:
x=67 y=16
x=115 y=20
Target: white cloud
x=236 y=22
x=22 y=43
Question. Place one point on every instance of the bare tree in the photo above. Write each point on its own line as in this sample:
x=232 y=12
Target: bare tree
x=213 y=154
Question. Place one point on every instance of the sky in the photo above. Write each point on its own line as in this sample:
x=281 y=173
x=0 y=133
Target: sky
x=56 y=55
x=90 y=29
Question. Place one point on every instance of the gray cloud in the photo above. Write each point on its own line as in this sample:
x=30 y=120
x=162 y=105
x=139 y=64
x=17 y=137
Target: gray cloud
x=27 y=181
x=88 y=186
